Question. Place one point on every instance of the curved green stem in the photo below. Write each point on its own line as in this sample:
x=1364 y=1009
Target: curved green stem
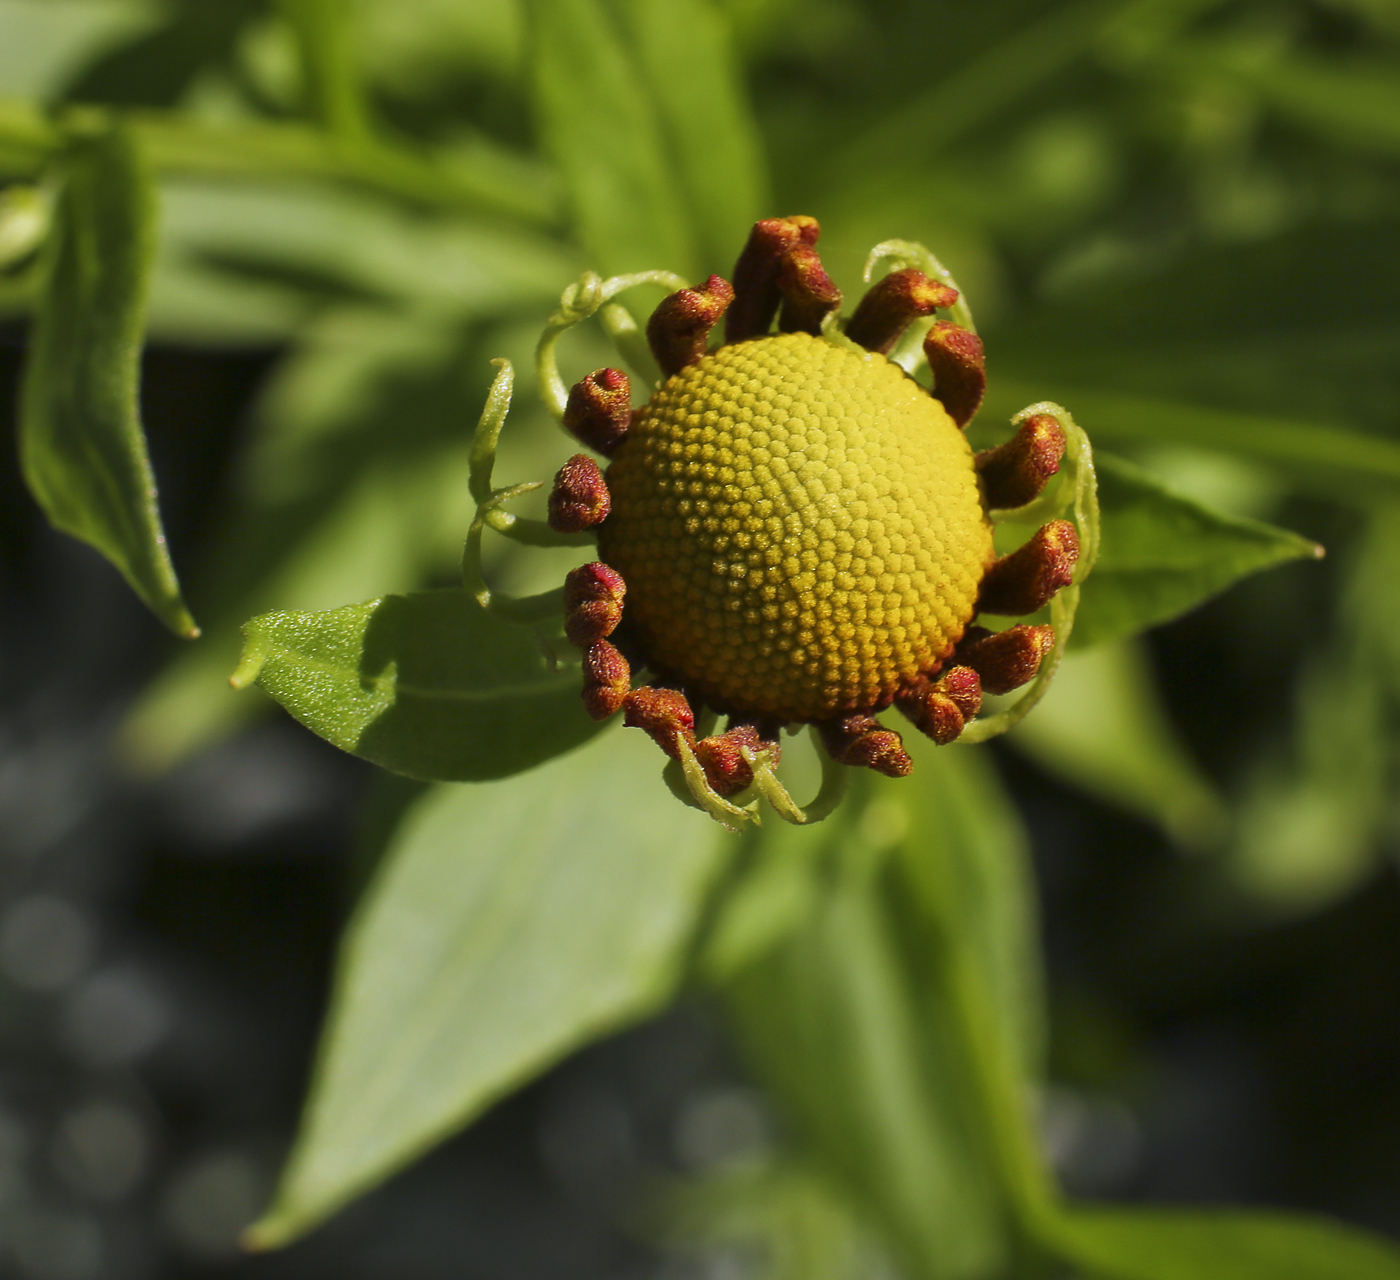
x=580 y=301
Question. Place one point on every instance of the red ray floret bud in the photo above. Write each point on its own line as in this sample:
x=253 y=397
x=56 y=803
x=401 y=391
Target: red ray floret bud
x=890 y=304
x=809 y=294
x=942 y=708
x=1008 y=659
x=593 y=595
x=722 y=758
x=599 y=410
x=607 y=680
x=959 y=369
x=861 y=740
x=580 y=498
x=1015 y=472
x=679 y=328
x=756 y=294
x=663 y=713
x=1024 y=581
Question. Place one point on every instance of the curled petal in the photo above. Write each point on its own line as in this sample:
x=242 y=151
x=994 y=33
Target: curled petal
x=593 y=595
x=756 y=294
x=861 y=740
x=580 y=498
x=664 y=713
x=599 y=410
x=809 y=294
x=941 y=709
x=607 y=679
x=892 y=303
x=1015 y=472
x=1024 y=581
x=679 y=328
x=1007 y=659
x=959 y=369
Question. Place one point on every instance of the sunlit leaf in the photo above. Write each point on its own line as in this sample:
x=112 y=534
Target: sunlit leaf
x=43 y=44
x=602 y=130
x=686 y=56
x=81 y=442
x=1163 y=554
x=428 y=685
x=1186 y=1244
x=507 y=924
x=314 y=244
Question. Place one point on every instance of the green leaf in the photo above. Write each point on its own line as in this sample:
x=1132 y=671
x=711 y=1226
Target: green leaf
x=1196 y=1244
x=896 y=1024
x=43 y=45
x=686 y=54
x=507 y=925
x=603 y=131
x=1316 y=456
x=1164 y=553
x=81 y=443
x=333 y=93
x=428 y=685
x=1102 y=727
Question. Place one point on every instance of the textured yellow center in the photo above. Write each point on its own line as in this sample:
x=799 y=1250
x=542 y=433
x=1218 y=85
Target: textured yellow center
x=799 y=527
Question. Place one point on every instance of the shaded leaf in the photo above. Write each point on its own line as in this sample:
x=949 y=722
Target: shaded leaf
x=1318 y=457
x=1102 y=727
x=602 y=130
x=428 y=685
x=507 y=925
x=81 y=443
x=859 y=1020
x=1187 y=1244
x=1164 y=553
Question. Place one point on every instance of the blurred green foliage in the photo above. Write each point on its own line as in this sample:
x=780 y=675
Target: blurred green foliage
x=1177 y=217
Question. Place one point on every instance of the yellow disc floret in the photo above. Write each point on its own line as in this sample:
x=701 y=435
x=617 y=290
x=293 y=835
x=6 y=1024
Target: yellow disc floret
x=799 y=527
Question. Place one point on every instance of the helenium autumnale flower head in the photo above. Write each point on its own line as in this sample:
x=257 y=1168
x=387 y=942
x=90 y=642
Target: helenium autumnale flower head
x=793 y=529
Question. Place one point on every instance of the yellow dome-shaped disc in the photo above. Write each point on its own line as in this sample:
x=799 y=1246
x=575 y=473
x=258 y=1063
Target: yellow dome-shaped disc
x=799 y=527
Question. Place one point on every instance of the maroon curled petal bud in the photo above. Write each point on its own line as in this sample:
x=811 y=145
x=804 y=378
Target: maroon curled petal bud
x=809 y=294
x=756 y=294
x=599 y=410
x=593 y=595
x=1008 y=659
x=607 y=680
x=963 y=687
x=580 y=498
x=664 y=713
x=1015 y=472
x=722 y=758
x=1025 y=580
x=860 y=740
x=891 y=304
x=942 y=709
x=959 y=369
x=679 y=329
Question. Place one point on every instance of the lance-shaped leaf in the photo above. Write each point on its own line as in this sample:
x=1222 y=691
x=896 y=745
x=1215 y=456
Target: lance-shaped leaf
x=1214 y=1244
x=897 y=1020
x=81 y=442
x=507 y=925
x=429 y=685
x=604 y=132
x=1163 y=553
x=688 y=61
